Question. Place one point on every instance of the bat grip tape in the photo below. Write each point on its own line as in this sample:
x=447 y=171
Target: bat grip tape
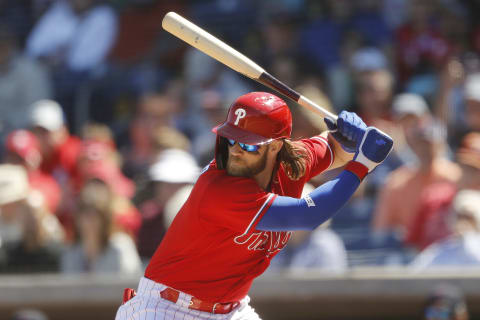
x=272 y=82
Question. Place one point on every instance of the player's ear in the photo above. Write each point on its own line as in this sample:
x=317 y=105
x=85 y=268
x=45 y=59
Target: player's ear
x=276 y=146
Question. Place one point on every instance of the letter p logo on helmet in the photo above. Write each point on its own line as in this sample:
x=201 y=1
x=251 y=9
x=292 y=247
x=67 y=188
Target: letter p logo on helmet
x=240 y=113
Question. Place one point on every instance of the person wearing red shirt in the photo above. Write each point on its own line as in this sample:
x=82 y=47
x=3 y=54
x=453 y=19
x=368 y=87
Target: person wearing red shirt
x=59 y=149
x=245 y=204
x=23 y=149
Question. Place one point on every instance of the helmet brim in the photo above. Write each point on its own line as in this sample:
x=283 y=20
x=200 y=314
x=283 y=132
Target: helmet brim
x=232 y=132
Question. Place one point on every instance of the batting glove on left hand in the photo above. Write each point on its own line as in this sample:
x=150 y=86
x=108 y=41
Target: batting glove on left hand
x=349 y=131
x=374 y=148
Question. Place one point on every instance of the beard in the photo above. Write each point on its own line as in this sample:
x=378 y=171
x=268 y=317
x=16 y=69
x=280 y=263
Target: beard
x=236 y=166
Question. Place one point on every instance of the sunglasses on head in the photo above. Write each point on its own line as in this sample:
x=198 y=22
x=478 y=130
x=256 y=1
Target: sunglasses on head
x=244 y=146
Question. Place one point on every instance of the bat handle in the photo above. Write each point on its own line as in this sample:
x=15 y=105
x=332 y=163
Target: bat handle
x=279 y=86
x=312 y=106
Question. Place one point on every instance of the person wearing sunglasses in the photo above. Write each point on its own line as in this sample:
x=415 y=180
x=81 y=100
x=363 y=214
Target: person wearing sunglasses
x=244 y=206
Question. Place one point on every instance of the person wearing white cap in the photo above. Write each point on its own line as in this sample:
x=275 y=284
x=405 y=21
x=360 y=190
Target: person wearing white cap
x=172 y=175
x=58 y=147
x=174 y=166
x=405 y=104
x=408 y=110
x=30 y=234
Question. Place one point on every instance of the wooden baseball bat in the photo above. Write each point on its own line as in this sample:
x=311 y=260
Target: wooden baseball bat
x=220 y=51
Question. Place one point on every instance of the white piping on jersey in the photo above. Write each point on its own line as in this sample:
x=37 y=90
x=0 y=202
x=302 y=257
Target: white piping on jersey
x=328 y=146
x=255 y=218
x=205 y=169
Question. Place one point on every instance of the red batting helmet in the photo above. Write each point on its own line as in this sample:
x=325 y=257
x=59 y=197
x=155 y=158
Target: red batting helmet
x=255 y=118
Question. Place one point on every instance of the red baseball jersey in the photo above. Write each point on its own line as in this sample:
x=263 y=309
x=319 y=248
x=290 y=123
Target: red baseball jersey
x=212 y=250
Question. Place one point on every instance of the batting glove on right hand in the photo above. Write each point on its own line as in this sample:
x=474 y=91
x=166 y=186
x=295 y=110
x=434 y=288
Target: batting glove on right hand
x=374 y=148
x=348 y=130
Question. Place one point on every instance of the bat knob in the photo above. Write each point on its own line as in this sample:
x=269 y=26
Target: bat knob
x=331 y=124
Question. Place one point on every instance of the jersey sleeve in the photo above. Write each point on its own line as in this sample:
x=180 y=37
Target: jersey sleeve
x=235 y=203
x=319 y=154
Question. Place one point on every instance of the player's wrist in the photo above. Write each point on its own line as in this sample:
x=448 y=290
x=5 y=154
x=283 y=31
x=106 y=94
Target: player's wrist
x=367 y=163
x=358 y=169
x=373 y=149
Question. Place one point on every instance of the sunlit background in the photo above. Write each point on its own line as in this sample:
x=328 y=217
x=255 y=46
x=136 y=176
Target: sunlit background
x=105 y=125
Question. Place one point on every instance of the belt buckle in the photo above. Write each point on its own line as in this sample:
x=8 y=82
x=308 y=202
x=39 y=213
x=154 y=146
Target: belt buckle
x=214 y=306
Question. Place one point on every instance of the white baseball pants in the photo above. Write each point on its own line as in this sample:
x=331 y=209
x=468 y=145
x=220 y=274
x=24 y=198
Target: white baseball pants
x=148 y=305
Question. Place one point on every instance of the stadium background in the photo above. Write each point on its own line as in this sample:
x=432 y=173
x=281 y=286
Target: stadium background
x=326 y=42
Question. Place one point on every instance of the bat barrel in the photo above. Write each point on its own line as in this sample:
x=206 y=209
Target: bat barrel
x=208 y=44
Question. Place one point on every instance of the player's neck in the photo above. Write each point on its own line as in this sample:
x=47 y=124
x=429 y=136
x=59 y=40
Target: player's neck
x=263 y=178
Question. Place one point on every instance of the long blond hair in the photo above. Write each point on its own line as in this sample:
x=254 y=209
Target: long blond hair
x=293 y=157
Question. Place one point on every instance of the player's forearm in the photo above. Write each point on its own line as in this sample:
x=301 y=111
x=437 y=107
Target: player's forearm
x=288 y=213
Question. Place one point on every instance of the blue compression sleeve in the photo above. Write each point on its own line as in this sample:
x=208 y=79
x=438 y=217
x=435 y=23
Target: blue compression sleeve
x=288 y=213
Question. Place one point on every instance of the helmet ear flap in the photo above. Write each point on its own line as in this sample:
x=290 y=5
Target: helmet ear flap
x=221 y=152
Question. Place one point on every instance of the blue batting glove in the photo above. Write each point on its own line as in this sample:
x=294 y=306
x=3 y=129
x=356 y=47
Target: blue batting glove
x=350 y=129
x=373 y=148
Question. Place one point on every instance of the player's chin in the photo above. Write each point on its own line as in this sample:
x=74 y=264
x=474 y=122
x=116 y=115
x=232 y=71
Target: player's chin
x=236 y=170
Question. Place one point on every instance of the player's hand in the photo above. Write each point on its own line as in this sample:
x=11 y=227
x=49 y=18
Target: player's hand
x=349 y=132
x=374 y=148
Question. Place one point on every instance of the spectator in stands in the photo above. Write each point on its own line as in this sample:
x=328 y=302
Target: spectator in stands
x=154 y=110
x=163 y=138
x=59 y=149
x=399 y=198
x=139 y=64
x=420 y=47
x=31 y=235
x=99 y=159
x=88 y=30
x=214 y=107
x=173 y=170
x=73 y=38
x=409 y=111
x=99 y=247
x=472 y=102
x=373 y=96
x=445 y=302
x=462 y=248
x=433 y=217
x=374 y=90
x=457 y=102
x=59 y=152
x=22 y=82
x=23 y=149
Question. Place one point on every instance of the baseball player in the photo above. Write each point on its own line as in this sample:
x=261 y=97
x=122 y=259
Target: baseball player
x=243 y=207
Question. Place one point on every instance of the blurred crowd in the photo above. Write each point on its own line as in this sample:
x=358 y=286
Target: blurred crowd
x=105 y=125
